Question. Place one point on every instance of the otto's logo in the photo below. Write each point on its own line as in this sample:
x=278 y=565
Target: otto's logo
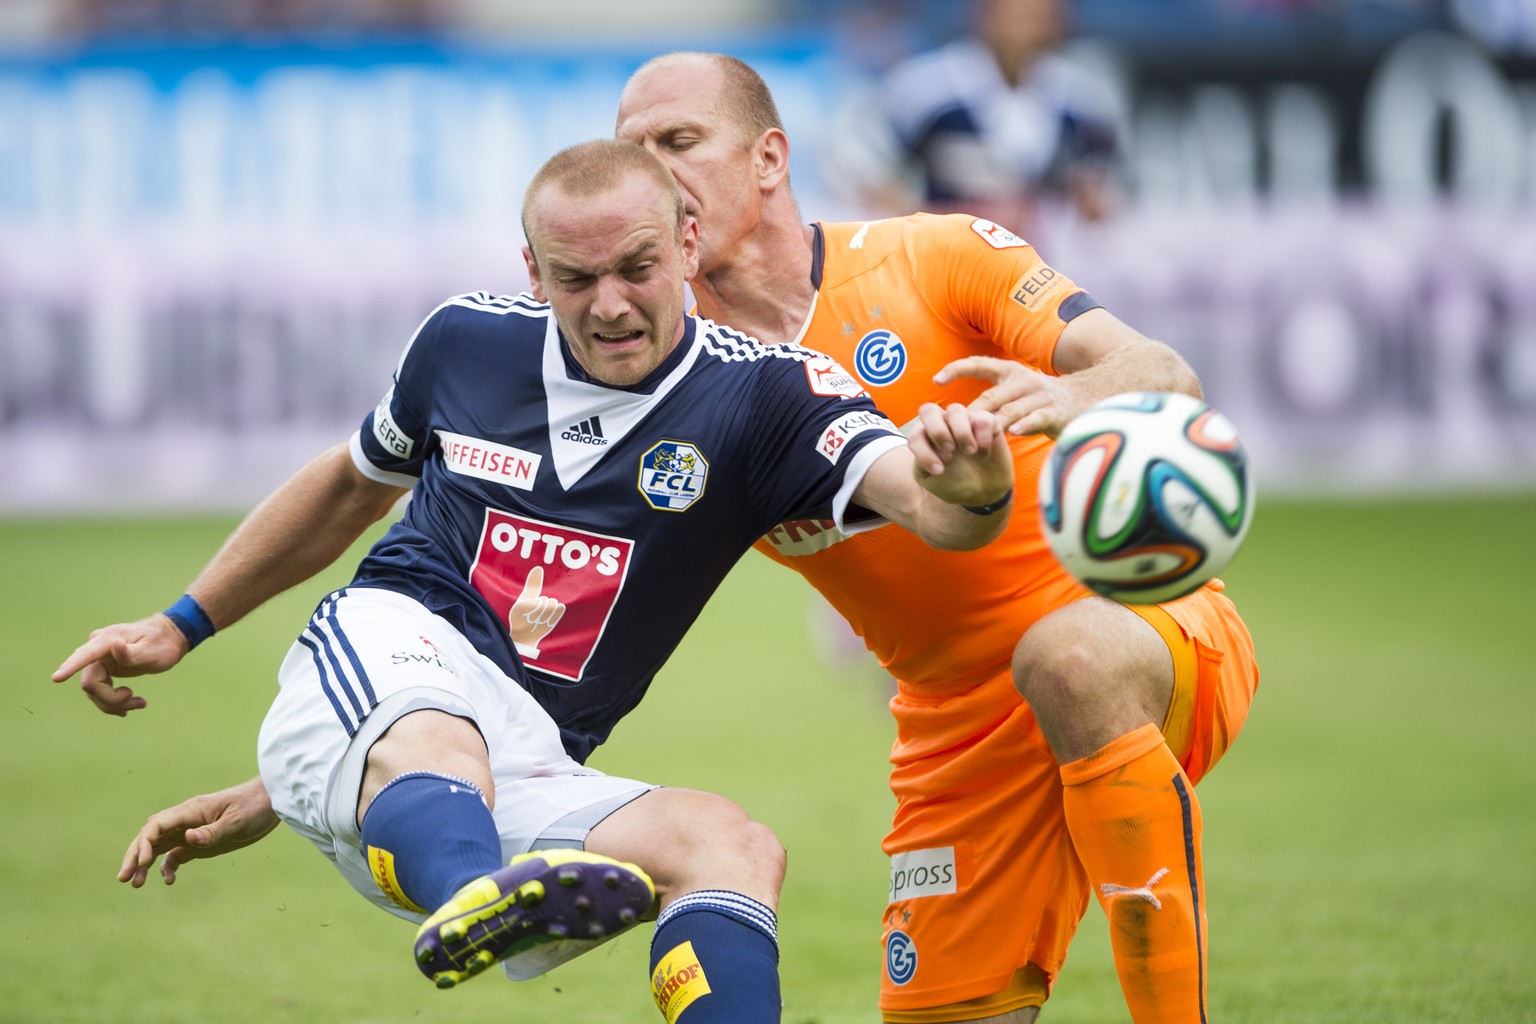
x=672 y=475
x=997 y=236
x=923 y=873
x=880 y=358
x=554 y=586
x=827 y=377
x=900 y=957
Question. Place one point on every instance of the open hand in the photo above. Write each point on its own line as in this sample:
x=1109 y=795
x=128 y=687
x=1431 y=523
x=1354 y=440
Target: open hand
x=207 y=825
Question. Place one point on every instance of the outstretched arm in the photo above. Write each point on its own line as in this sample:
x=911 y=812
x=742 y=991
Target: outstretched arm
x=207 y=825
x=952 y=485
x=1097 y=356
x=302 y=527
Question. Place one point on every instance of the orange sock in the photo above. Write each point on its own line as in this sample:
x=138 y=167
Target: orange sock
x=1135 y=822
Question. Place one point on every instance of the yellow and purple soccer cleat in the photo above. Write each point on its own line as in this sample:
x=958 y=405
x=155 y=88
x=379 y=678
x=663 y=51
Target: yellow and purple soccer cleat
x=552 y=897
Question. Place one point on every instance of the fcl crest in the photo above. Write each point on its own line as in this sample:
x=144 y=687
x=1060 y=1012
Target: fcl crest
x=672 y=475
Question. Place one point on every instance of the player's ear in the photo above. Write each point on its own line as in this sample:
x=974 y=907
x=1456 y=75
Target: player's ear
x=690 y=248
x=770 y=157
x=535 y=284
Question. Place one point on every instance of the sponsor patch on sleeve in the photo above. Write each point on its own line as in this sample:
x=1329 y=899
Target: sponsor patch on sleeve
x=836 y=437
x=804 y=536
x=995 y=235
x=388 y=433
x=1035 y=289
x=827 y=377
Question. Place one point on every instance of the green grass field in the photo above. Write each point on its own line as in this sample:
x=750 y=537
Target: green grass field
x=1370 y=840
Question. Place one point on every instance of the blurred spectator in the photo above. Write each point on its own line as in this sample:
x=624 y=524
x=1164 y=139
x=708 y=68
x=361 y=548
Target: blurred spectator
x=991 y=124
x=243 y=18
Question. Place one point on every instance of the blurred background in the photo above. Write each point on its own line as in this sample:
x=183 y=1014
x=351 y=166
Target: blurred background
x=220 y=221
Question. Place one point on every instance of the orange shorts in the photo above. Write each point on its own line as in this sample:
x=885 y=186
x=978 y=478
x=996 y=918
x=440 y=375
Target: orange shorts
x=986 y=890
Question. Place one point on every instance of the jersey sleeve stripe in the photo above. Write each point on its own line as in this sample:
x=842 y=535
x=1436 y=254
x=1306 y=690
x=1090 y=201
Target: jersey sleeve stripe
x=372 y=472
x=858 y=466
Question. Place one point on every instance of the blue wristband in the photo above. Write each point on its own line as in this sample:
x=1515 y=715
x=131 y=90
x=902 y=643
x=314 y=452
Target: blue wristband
x=996 y=506
x=190 y=618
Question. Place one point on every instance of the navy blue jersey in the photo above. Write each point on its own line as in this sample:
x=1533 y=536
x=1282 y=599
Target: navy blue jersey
x=576 y=529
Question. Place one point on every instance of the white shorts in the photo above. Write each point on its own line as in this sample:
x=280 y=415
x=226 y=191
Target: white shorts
x=369 y=656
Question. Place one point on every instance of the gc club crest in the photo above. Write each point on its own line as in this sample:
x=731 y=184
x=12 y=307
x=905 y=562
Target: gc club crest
x=672 y=475
x=880 y=358
x=900 y=957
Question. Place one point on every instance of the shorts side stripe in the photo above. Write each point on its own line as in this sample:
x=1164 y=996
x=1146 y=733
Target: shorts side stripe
x=351 y=653
x=330 y=656
x=325 y=684
x=1194 y=881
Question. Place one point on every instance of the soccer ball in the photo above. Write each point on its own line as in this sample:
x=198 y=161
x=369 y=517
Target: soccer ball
x=1146 y=496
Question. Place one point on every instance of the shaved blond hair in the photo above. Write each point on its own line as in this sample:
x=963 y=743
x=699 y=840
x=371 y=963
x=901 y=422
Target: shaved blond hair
x=591 y=168
x=743 y=98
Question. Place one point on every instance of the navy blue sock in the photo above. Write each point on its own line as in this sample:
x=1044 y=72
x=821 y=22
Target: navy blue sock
x=715 y=960
x=426 y=836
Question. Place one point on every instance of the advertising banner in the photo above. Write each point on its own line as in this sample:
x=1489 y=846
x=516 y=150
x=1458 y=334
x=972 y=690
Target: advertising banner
x=210 y=260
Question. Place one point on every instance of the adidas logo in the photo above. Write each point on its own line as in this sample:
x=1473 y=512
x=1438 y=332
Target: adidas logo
x=588 y=431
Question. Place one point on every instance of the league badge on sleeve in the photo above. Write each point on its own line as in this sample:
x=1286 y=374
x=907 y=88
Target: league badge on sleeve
x=672 y=475
x=827 y=377
x=995 y=235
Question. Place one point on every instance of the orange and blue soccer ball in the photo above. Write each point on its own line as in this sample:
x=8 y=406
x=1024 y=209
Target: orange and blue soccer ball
x=1146 y=496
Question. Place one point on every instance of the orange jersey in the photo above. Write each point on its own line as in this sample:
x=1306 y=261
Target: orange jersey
x=897 y=300
x=979 y=823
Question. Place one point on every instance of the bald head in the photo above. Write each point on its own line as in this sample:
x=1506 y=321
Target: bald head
x=594 y=168
x=741 y=97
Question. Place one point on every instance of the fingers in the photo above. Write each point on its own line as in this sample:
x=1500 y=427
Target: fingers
x=137 y=861
x=928 y=460
x=533 y=586
x=87 y=653
x=543 y=611
x=548 y=614
x=166 y=833
x=939 y=435
x=1015 y=420
x=984 y=429
x=1023 y=399
x=127 y=649
x=97 y=684
x=988 y=368
x=949 y=432
x=174 y=859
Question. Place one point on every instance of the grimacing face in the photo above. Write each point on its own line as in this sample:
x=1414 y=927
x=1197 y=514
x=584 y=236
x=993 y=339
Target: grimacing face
x=669 y=109
x=612 y=268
